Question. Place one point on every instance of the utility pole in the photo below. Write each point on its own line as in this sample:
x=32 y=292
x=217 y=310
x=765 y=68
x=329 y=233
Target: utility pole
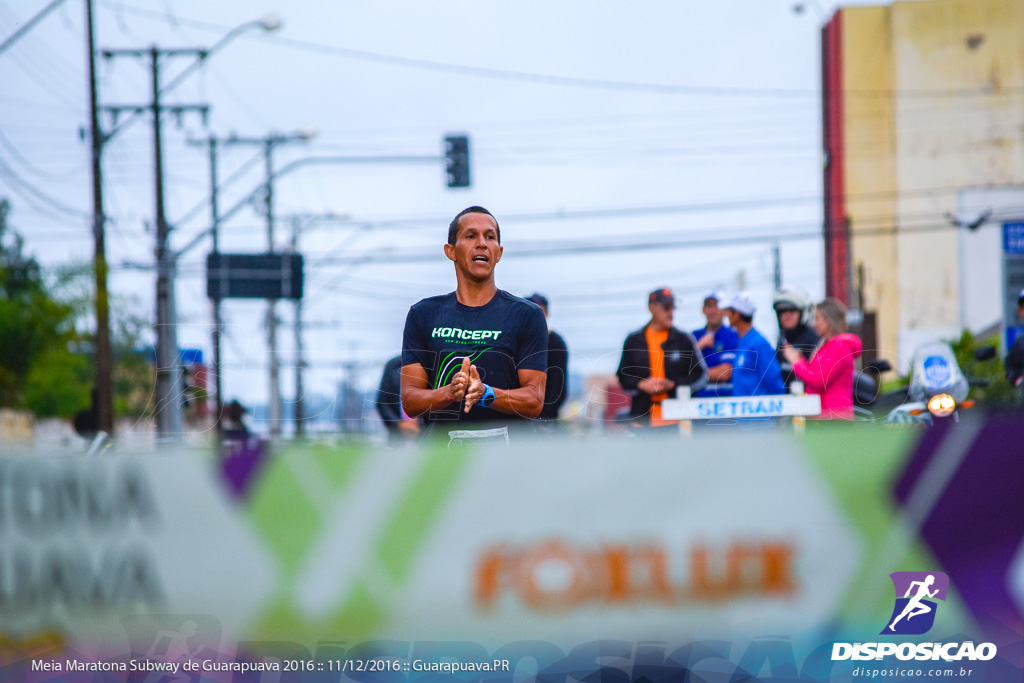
x=275 y=363
x=218 y=323
x=300 y=361
x=104 y=358
x=300 y=327
x=104 y=361
x=170 y=388
x=268 y=143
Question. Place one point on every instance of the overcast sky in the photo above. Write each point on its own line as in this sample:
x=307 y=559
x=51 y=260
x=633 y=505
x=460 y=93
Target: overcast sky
x=616 y=132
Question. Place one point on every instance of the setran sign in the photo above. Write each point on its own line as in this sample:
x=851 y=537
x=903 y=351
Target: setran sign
x=254 y=276
x=741 y=407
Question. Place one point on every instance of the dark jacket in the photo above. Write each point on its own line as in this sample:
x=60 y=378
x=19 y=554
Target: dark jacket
x=1015 y=361
x=684 y=365
x=802 y=338
x=389 y=394
x=558 y=369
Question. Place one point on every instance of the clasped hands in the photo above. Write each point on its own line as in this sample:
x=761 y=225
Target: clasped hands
x=656 y=385
x=466 y=384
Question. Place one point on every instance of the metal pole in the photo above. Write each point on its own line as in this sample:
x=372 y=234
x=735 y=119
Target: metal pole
x=300 y=361
x=275 y=369
x=218 y=322
x=104 y=361
x=268 y=143
x=168 y=375
x=777 y=255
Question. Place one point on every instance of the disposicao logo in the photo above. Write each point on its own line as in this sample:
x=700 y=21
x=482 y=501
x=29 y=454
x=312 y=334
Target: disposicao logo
x=914 y=615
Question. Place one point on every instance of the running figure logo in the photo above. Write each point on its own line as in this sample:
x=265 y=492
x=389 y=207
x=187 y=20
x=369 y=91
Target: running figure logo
x=914 y=613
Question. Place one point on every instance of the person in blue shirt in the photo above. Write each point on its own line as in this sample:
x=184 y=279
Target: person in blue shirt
x=755 y=370
x=717 y=342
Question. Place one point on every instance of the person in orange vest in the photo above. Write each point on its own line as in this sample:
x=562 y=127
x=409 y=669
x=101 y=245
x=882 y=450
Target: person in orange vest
x=657 y=359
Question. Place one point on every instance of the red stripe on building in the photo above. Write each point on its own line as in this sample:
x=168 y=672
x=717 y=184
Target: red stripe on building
x=836 y=227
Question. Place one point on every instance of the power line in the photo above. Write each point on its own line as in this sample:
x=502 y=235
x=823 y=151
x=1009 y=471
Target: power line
x=564 y=248
x=39 y=105
x=248 y=109
x=27 y=26
x=29 y=166
x=695 y=207
x=237 y=173
x=575 y=81
x=38 y=194
x=570 y=248
x=40 y=76
x=593 y=122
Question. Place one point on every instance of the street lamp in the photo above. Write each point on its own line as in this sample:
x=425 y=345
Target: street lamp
x=268 y=23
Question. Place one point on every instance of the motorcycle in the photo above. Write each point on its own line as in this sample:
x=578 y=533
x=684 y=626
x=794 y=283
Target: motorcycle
x=868 y=403
x=938 y=388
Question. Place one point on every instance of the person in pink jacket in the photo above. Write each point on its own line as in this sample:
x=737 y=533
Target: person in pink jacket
x=829 y=372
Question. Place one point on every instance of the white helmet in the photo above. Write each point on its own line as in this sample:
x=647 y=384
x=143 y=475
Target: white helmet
x=789 y=298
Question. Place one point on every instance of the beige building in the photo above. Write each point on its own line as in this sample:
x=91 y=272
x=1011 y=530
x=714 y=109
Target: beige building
x=924 y=134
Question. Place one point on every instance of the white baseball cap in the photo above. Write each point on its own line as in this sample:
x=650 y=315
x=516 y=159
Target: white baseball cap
x=742 y=303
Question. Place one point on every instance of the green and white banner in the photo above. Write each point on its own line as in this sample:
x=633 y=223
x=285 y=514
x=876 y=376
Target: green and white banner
x=723 y=535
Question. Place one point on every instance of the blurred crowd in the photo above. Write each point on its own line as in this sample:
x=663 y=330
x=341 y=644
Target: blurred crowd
x=728 y=357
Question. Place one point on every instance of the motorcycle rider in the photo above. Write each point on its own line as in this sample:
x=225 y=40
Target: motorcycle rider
x=795 y=312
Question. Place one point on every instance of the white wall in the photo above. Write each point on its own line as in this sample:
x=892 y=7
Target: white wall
x=981 y=252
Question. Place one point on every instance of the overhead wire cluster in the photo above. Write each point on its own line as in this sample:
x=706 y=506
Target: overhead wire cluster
x=784 y=124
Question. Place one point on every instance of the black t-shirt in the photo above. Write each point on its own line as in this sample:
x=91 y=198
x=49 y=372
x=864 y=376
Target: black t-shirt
x=505 y=335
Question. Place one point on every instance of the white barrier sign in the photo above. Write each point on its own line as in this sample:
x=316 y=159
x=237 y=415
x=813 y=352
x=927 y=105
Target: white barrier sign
x=740 y=407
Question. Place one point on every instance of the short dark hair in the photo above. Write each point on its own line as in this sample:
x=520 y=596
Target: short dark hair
x=453 y=227
x=538 y=299
x=744 y=318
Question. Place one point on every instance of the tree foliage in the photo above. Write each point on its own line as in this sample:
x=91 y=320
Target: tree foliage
x=35 y=327
x=47 y=363
x=997 y=391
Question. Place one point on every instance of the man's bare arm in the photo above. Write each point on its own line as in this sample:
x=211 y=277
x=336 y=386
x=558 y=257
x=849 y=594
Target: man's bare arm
x=526 y=401
x=418 y=399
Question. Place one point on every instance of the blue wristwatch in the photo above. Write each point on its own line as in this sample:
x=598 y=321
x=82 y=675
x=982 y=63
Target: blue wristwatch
x=488 y=398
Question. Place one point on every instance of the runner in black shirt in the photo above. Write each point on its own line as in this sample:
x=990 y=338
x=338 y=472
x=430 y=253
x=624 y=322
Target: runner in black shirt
x=478 y=354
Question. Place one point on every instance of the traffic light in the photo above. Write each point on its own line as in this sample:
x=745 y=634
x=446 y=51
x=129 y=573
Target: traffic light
x=457 y=156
